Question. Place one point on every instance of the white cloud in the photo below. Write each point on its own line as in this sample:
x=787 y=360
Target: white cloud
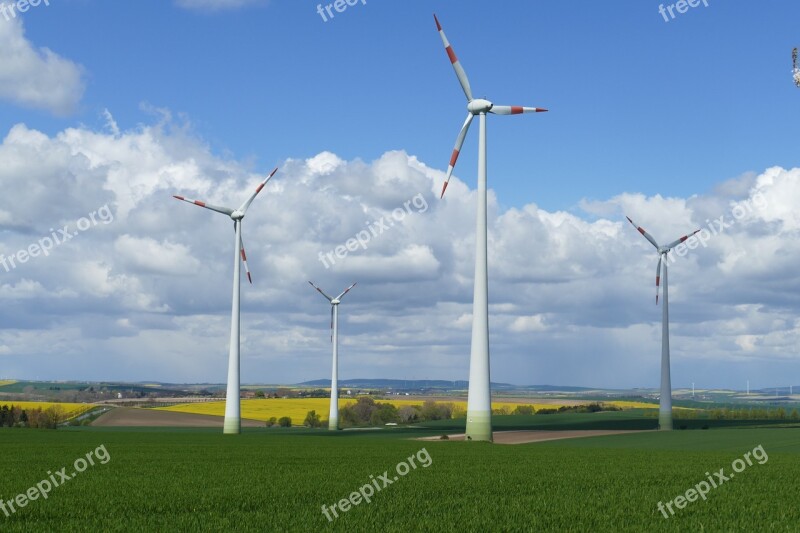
x=218 y=5
x=36 y=78
x=147 y=296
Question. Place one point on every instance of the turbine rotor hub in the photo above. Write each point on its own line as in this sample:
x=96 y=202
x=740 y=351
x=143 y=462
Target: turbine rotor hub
x=237 y=215
x=479 y=105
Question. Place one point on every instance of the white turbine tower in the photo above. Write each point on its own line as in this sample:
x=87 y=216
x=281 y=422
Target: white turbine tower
x=479 y=403
x=333 y=414
x=233 y=420
x=665 y=402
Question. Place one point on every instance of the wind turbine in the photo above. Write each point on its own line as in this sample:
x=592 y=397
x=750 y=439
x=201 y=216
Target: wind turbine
x=333 y=415
x=479 y=403
x=665 y=401
x=233 y=419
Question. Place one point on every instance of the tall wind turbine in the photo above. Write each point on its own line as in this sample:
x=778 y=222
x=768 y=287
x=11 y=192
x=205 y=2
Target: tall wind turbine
x=233 y=419
x=333 y=414
x=665 y=402
x=479 y=402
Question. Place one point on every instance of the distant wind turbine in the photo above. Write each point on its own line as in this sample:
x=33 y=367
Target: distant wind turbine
x=233 y=419
x=333 y=414
x=479 y=403
x=665 y=402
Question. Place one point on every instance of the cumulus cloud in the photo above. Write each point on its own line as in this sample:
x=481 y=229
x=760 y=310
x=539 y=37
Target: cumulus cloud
x=147 y=295
x=36 y=77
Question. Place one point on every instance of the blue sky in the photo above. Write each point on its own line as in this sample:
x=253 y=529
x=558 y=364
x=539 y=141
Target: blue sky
x=636 y=103
x=123 y=104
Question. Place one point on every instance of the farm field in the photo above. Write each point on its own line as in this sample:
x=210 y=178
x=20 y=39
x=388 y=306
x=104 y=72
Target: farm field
x=278 y=479
x=297 y=409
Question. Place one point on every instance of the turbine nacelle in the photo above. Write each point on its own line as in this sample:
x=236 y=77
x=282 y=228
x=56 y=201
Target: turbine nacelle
x=237 y=215
x=479 y=105
x=335 y=301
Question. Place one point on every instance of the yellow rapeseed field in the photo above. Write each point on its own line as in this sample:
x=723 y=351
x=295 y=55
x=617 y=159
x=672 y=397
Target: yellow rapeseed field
x=4 y=382
x=625 y=404
x=298 y=408
x=71 y=410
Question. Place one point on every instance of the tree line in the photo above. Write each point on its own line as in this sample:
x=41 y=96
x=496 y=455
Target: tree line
x=368 y=412
x=744 y=413
x=15 y=416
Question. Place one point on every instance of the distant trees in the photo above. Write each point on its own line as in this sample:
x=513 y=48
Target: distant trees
x=312 y=420
x=742 y=413
x=367 y=412
x=272 y=422
x=523 y=410
x=408 y=414
x=595 y=407
x=383 y=414
x=285 y=422
x=14 y=416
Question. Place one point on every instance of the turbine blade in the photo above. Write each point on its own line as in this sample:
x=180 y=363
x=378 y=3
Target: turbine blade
x=457 y=151
x=658 y=277
x=515 y=110
x=331 y=323
x=249 y=201
x=320 y=291
x=218 y=209
x=345 y=291
x=462 y=76
x=672 y=245
x=643 y=232
x=244 y=260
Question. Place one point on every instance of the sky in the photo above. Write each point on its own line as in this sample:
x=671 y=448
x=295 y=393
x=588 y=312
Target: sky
x=107 y=109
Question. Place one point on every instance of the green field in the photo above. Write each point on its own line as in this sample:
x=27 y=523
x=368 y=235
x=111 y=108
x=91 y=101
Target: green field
x=278 y=480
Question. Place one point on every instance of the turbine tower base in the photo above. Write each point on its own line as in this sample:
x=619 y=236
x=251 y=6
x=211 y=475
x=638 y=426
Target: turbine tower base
x=232 y=426
x=479 y=426
x=664 y=421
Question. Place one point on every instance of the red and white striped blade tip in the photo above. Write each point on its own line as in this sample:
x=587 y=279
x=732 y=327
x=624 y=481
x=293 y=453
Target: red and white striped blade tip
x=444 y=188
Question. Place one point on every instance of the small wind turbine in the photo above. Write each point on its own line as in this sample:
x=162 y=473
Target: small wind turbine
x=479 y=403
x=233 y=419
x=333 y=415
x=665 y=402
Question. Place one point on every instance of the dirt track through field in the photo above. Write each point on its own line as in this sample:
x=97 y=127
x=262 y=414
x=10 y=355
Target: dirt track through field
x=526 y=436
x=133 y=417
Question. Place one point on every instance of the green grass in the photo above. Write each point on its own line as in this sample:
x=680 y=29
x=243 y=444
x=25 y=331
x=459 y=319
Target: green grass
x=277 y=480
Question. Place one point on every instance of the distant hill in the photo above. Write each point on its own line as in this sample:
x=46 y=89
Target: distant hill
x=402 y=384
